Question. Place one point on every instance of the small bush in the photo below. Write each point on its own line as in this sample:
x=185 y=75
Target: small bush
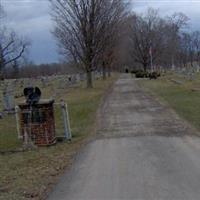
x=134 y=71
x=154 y=75
x=141 y=74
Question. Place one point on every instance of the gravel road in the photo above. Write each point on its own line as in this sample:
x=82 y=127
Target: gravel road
x=143 y=151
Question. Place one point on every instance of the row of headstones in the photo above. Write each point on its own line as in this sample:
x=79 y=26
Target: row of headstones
x=9 y=87
x=70 y=80
x=189 y=73
x=7 y=95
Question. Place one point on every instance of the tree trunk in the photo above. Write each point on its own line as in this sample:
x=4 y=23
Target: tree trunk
x=104 y=71
x=172 y=61
x=109 y=72
x=145 y=67
x=89 y=79
x=1 y=68
x=191 y=62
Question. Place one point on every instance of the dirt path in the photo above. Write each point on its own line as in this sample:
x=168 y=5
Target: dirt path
x=162 y=162
x=129 y=111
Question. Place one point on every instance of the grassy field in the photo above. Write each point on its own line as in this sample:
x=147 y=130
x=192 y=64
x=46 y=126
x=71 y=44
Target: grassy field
x=30 y=174
x=181 y=94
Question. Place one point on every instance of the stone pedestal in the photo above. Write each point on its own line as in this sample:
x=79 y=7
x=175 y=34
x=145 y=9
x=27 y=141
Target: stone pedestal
x=37 y=122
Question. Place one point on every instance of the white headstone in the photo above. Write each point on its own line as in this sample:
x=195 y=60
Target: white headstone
x=8 y=98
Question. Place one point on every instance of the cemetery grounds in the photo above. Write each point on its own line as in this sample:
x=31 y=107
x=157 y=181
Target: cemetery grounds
x=180 y=92
x=31 y=174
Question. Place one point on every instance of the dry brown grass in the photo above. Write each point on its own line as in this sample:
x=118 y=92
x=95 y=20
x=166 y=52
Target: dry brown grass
x=31 y=174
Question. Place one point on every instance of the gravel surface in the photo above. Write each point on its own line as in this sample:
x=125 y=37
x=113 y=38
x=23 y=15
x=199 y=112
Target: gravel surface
x=143 y=151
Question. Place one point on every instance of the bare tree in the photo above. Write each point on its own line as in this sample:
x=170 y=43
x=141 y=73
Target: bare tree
x=175 y=24
x=113 y=34
x=196 y=42
x=146 y=34
x=156 y=40
x=190 y=48
x=82 y=29
x=12 y=48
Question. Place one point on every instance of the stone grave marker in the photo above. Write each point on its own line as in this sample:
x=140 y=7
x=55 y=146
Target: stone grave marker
x=197 y=68
x=8 y=98
x=61 y=84
x=78 y=77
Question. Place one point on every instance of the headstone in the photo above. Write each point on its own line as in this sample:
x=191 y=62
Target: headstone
x=198 y=69
x=78 y=77
x=22 y=83
x=61 y=84
x=1 y=115
x=8 y=99
x=74 y=79
x=81 y=77
x=173 y=67
x=43 y=81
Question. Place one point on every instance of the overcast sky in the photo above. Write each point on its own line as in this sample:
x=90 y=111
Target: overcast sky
x=31 y=18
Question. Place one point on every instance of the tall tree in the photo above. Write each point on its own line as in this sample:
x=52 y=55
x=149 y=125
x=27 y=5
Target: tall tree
x=175 y=24
x=112 y=35
x=154 y=39
x=146 y=37
x=196 y=41
x=189 y=48
x=82 y=29
x=12 y=47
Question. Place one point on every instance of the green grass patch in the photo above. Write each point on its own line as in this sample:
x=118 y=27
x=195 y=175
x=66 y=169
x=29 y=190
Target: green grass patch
x=30 y=174
x=179 y=96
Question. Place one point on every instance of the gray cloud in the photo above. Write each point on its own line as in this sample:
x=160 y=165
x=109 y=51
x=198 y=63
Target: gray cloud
x=167 y=7
x=31 y=18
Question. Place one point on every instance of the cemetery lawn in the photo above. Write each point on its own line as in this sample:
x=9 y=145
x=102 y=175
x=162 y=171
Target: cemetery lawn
x=183 y=96
x=31 y=174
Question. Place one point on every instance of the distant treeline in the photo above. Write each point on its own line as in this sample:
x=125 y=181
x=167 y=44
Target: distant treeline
x=33 y=70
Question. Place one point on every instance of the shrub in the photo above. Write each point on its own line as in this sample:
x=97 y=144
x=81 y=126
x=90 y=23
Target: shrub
x=134 y=71
x=154 y=75
x=141 y=74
